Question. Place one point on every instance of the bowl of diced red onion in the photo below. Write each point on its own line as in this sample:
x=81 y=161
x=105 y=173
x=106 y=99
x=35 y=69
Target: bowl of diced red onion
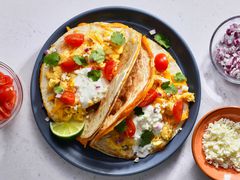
x=225 y=49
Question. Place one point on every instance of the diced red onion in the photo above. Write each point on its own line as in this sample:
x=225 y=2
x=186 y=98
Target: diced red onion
x=227 y=52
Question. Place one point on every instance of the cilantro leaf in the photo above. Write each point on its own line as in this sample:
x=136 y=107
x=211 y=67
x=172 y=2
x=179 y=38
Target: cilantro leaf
x=118 y=38
x=121 y=126
x=165 y=84
x=97 y=55
x=179 y=77
x=79 y=60
x=58 y=89
x=162 y=40
x=171 y=89
x=138 y=111
x=52 y=59
x=94 y=74
x=146 y=138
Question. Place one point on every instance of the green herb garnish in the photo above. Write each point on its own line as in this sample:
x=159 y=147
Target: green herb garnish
x=97 y=55
x=79 y=60
x=179 y=77
x=52 y=59
x=121 y=126
x=171 y=89
x=58 y=89
x=162 y=40
x=94 y=74
x=165 y=84
x=118 y=38
x=138 y=111
x=146 y=138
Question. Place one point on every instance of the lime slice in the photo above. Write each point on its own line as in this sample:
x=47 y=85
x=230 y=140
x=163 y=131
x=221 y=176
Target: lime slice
x=66 y=129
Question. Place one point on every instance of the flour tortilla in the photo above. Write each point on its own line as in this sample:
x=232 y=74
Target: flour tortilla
x=127 y=60
x=133 y=95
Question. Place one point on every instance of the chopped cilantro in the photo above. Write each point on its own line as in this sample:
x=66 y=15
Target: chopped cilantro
x=97 y=55
x=146 y=138
x=171 y=89
x=58 y=89
x=121 y=126
x=79 y=60
x=162 y=40
x=118 y=38
x=179 y=77
x=138 y=111
x=94 y=74
x=165 y=84
x=52 y=59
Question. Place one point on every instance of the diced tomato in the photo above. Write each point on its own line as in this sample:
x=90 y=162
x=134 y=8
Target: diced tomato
x=68 y=97
x=74 y=40
x=1 y=117
x=69 y=65
x=150 y=97
x=5 y=79
x=131 y=129
x=161 y=62
x=178 y=110
x=9 y=105
x=6 y=93
x=109 y=70
x=4 y=113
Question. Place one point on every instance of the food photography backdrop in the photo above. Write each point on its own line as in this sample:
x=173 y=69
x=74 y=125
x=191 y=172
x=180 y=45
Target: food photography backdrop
x=26 y=25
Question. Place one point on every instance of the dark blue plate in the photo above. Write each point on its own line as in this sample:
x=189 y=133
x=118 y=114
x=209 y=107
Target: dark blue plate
x=88 y=158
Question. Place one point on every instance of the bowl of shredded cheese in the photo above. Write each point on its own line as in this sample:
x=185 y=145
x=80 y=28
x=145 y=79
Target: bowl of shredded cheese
x=216 y=143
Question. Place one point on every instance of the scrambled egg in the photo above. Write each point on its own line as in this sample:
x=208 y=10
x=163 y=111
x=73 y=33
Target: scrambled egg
x=56 y=77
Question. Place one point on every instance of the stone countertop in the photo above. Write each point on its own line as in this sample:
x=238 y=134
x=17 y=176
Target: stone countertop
x=26 y=25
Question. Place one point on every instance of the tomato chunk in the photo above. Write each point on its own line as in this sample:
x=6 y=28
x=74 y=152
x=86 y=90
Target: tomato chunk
x=69 y=65
x=6 y=93
x=161 y=62
x=68 y=97
x=74 y=40
x=9 y=105
x=5 y=79
x=131 y=129
x=178 y=110
x=109 y=70
x=4 y=113
x=151 y=96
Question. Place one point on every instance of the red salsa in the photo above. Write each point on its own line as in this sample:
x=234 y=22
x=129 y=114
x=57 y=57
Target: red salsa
x=7 y=96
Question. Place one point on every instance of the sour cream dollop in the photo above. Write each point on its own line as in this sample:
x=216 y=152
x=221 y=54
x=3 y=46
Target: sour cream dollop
x=151 y=120
x=89 y=92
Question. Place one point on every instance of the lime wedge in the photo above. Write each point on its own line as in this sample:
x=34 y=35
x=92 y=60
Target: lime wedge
x=66 y=129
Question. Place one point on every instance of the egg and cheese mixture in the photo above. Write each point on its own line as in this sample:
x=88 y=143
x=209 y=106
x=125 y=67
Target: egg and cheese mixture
x=221 y=144
x=81 y=67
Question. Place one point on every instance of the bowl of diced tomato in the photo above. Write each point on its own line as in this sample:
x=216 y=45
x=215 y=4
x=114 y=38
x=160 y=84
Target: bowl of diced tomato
x=11 y=94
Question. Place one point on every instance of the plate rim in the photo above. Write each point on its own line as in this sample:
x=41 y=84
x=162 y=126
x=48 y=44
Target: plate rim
x=197 y=74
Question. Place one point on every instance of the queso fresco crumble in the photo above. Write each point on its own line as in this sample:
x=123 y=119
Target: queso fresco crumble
x=221 y=144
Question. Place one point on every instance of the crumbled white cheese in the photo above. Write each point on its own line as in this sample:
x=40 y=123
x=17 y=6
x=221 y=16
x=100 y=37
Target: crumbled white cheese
x=150 y=120
x=88 y=91
x=221 y=144
x=65 y=77
x=136 y=160
x=152 y=32
x=58 y=95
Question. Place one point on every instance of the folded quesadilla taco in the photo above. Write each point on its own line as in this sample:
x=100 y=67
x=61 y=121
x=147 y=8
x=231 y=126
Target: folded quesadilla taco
x=149 y=111
x=84 y=70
